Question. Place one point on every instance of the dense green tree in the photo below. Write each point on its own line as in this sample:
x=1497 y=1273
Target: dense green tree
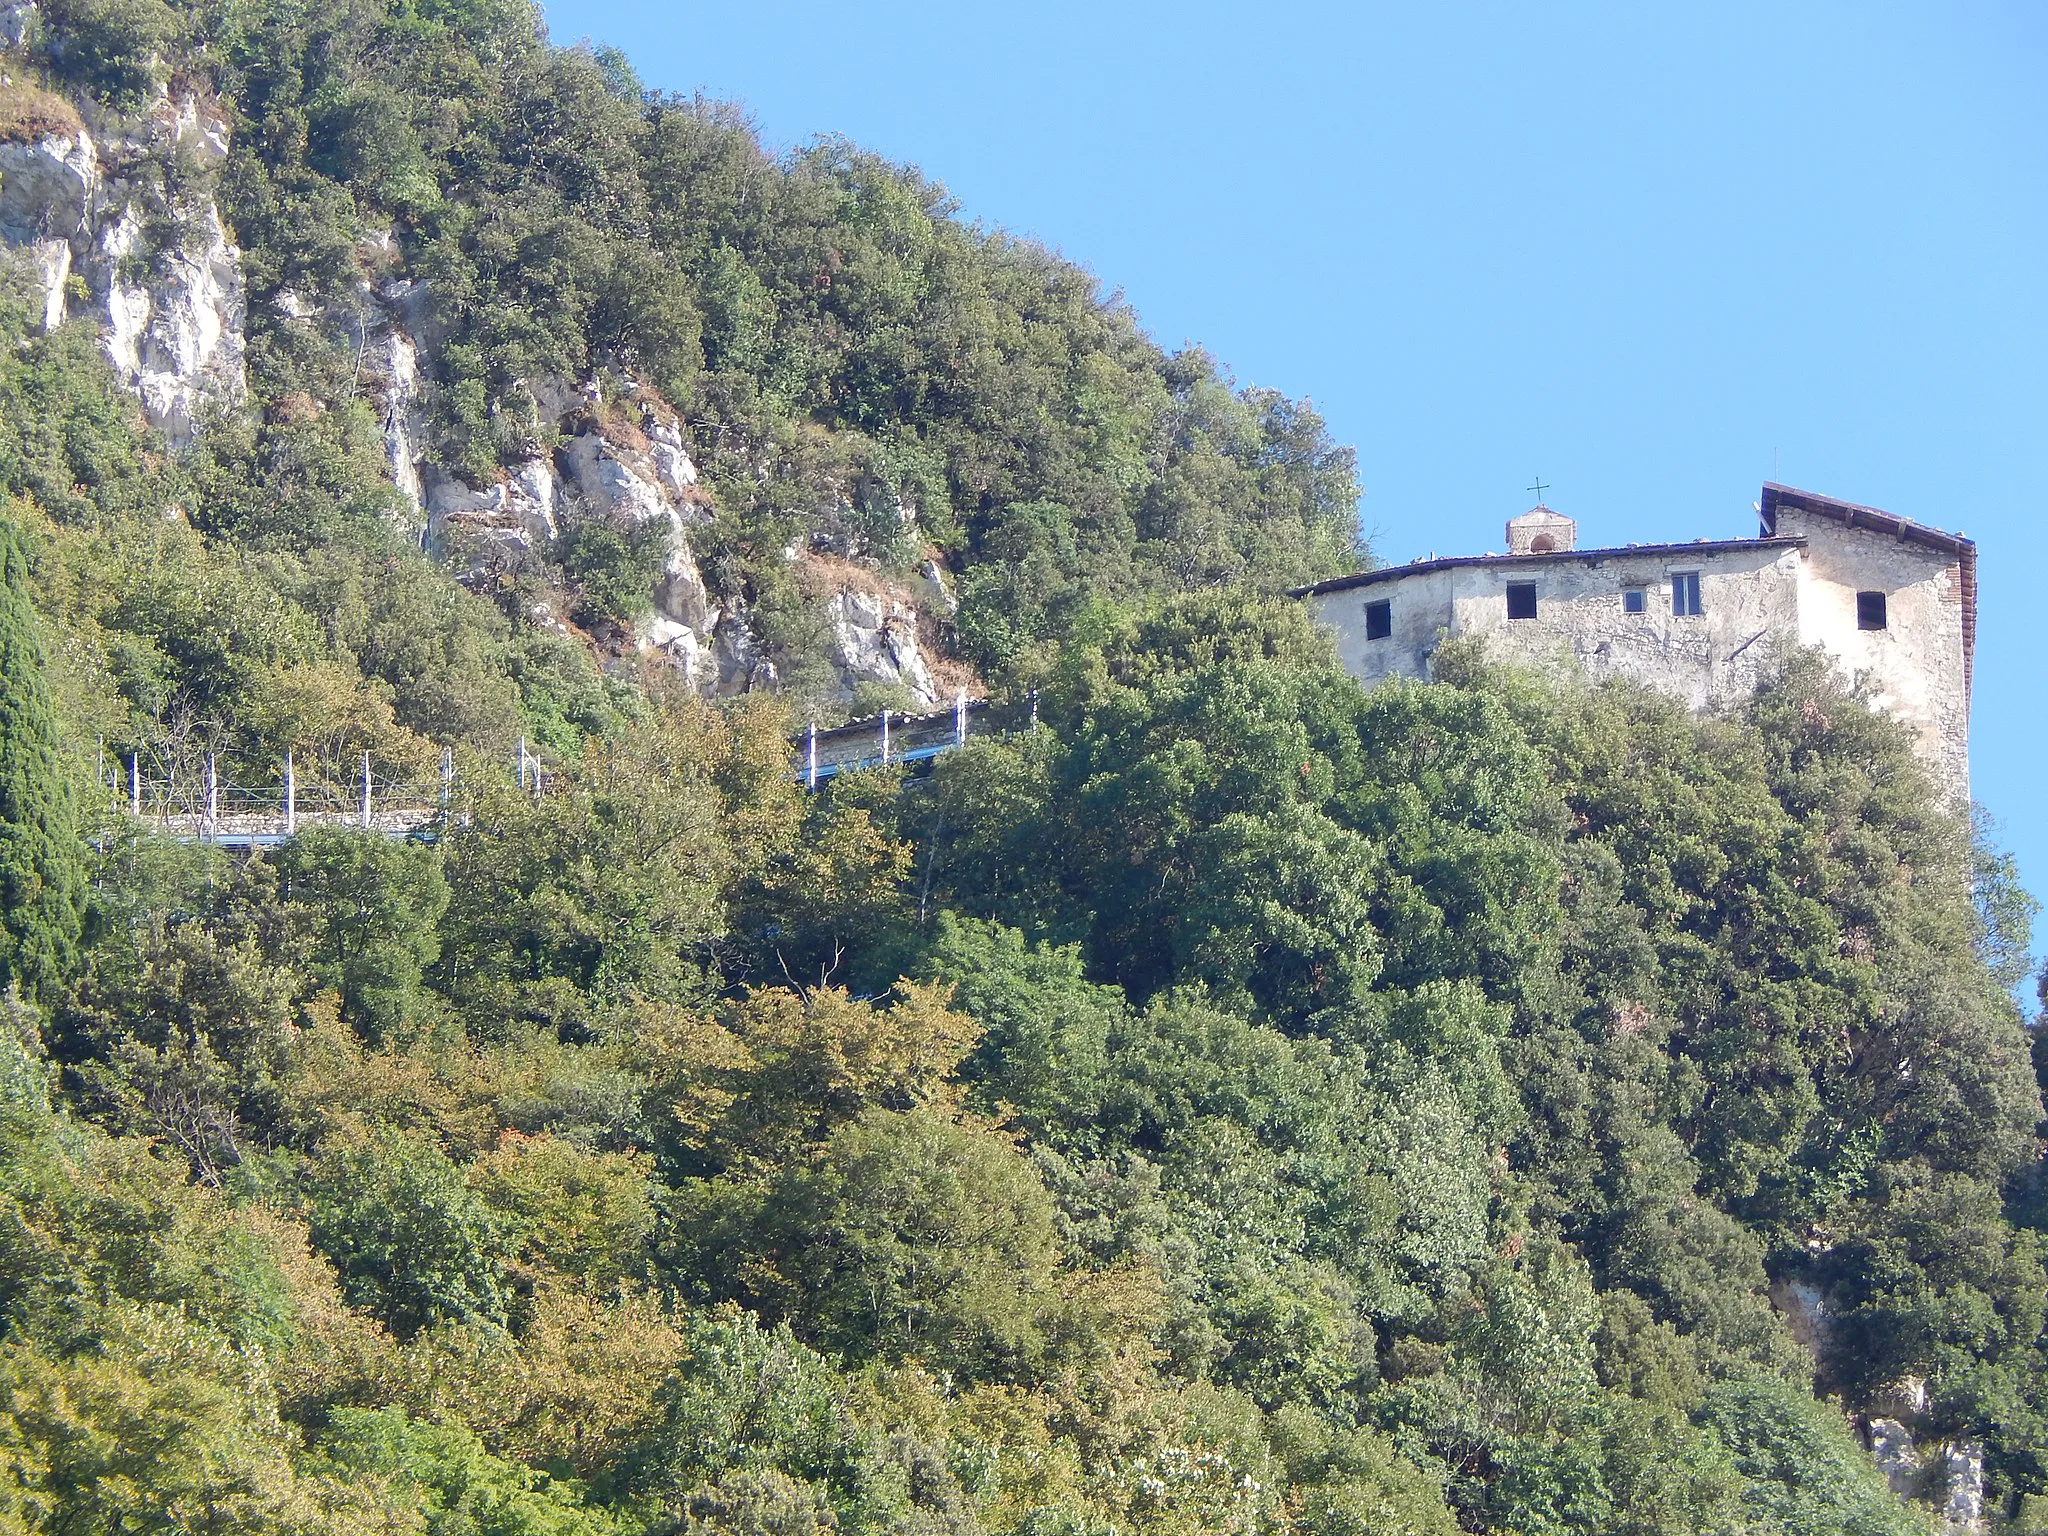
x=1805 y=1472
x=412 y=1242
x=1314 y=1112
x=42 y=862
x=373 y=904
x=911 y=1236
x=461 y=1489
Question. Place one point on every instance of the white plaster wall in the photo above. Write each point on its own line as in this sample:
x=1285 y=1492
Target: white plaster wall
x=1421 y=612
x=1754 y=597
x=1747 y=594
x=1914 y=666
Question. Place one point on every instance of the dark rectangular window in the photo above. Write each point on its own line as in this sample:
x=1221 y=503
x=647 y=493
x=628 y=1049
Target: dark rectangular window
x=1521 y=599
x=1870 y=612
x=1379 y=619
x=1635 y=600
x=1685 y=594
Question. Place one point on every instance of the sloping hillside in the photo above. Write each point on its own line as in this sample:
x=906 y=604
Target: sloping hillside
x=1228 y=1102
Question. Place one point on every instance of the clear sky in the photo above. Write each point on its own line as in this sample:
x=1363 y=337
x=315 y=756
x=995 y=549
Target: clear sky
x=1657 y=255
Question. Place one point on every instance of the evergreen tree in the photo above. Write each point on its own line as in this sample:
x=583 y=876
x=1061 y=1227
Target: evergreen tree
x=42 y=874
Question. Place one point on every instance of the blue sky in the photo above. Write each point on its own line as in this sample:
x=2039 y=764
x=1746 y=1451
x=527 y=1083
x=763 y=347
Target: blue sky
x=1655 y=255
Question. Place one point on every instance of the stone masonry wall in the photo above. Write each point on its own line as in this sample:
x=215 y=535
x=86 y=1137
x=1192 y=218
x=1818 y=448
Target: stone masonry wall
x=1748 y=594
x=1915 y=665
x=1757 y=596
x=1421 y=613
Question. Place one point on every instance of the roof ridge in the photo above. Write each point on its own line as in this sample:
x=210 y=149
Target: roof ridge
x=1448 y=562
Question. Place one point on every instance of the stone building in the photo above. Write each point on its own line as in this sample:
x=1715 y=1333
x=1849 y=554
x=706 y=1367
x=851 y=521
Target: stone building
x=1893 y=602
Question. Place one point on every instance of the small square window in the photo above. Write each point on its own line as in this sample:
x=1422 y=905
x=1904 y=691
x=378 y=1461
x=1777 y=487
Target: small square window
x=1379 y=619
x=1521 y=599
x=1870 y=612
x=1635 y=600
x=1685 y=594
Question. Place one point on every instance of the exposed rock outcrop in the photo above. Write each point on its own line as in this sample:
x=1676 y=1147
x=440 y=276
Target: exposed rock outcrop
x=1805 y=1310
x=174 y=330
x=1962 y=1486
x=16 y=17
x=607 y=469
x=47 y=187
x=391 y=318
x=1891 y=1447
x=1946 y=1474
x=874 y=639
x=516 y=514
x=163 y=280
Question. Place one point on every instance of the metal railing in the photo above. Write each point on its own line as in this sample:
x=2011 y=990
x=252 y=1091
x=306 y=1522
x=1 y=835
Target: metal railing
x=203 y=796
x=203 y=803
x=894 y=738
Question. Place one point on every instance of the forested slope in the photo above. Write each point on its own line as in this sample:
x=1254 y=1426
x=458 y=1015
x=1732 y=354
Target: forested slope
x=1238 y=1103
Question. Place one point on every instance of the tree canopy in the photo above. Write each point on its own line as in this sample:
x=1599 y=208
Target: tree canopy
x=1225 y=1099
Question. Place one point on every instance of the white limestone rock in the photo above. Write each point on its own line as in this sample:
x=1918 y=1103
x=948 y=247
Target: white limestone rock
x=189 y=123
x=404 y=411
x=1905 y=1398
x=1892 y=1448
x=682 y=644
x=590 y=478
x=1805 y=1309
x=174 y=331
x=386 y=325
x=17 y=17
x=630 y=488
x=613 y=486
x=1962 y=1487
x=671 y=463
x=681 y=594
x=517 y=513
x=737 y=663
x=874 y=638
x=171 y=317
x=47 y=192
x=936 y=588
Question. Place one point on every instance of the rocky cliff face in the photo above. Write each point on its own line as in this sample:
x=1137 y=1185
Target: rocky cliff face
x=47 y=189
x=1944 y=1473
x=160 y=275
x=875 y=639
x=627 y=464
x=157 y=271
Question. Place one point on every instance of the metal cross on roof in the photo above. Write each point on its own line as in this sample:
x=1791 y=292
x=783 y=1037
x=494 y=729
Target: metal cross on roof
x=1539 y=488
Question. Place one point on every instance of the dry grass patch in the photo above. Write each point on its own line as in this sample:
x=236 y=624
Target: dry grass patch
x=28 y=112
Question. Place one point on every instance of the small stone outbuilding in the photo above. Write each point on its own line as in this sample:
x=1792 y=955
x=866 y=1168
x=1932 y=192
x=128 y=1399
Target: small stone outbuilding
x=1892 y=601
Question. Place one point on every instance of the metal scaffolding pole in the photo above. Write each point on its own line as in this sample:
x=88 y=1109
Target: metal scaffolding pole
x=291 y=798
